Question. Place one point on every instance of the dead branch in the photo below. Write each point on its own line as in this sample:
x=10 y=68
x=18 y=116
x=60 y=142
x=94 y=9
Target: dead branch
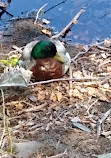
x=51 y=123
x=38 y=108
x=100 y=122
x=4 y=119
x=73 y=22
x=38 y=13
x=70 y=82
x=90 y=105
x=82 y=79
x=80 y=53
x=17 y=49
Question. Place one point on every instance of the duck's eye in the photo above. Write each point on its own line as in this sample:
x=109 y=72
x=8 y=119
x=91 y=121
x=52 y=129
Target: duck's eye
x=49 y=49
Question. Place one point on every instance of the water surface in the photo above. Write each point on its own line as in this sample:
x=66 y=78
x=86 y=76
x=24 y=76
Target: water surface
x=94 y=24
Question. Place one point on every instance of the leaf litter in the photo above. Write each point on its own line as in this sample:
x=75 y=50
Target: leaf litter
x=43 y=112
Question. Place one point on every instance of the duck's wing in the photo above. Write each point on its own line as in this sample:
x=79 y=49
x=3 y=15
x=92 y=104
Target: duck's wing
x=26 y=54
x=66 y=65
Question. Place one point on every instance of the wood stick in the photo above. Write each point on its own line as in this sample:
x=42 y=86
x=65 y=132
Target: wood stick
x=70 y=82
x=38 y=13
x=73 y=22
x=38 y=108
x=82 y=79
x=4 y=120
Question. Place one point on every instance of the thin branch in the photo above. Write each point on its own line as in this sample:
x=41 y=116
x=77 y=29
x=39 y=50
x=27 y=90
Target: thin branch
x=4 y=119
x=7 y=12
x=10 y=138
x=73 y=22
x=70 y=82
x=90 y=105
x=100 y=122
x=82 y=79
x=17 y=49
x=80 y=53
x=55 y=6
x=38 y=108
x=51 y=123
x=38 y=13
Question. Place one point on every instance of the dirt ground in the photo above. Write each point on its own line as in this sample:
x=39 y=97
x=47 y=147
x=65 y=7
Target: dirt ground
x=45 y=112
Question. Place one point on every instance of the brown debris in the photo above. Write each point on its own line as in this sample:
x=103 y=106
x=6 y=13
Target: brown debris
x=44 y=111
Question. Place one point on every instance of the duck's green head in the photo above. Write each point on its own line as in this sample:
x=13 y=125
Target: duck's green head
x=43 y=49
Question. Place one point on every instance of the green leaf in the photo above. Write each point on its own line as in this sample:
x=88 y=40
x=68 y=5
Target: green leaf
x=12 y=61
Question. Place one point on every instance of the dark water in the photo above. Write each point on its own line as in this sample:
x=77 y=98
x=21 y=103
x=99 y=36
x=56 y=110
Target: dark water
x=94 y=24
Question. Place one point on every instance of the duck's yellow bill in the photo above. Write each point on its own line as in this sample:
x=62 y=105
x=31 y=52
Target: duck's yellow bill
x=60 y=58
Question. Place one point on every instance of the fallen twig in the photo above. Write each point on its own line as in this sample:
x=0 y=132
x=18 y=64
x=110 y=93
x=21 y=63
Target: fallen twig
x=90 y=105
x=51 y=123
x=105 y=62
x=4 y=119
x=38 y=13
x=3 y=7
x=5 y=124
x=80 y=53
x=100 y=122
x=34 y=108
x=17 y=49
x=87 y=48
x=82 y=79
x=70 y=82
x=10 y=138
x=73 y=22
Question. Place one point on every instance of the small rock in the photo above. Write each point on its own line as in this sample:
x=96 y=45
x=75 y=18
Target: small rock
x=32 y=98
x=25 y=149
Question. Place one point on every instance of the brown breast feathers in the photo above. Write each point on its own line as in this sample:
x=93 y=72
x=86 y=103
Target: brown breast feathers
x=47 y=68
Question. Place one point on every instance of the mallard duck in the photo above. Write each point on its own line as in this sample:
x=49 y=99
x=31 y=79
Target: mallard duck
x=46 y=58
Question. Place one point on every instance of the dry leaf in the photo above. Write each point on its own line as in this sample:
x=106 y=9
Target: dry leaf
x=107 y=42
x=76 y=93
x=100 y=93
x=48 y=92
x=91 y=90
x=103 y=55
x=92 y=57
x=106 y=85
x=53 y=97
x=77 y=74
x=45 y=21
x=51 y=117
x=47 y=32
x=108 y=69
x=3 y=5
x=41 y=96
x=59 y=96
x=19 y=105
x=83 y=90
x=39 y=156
